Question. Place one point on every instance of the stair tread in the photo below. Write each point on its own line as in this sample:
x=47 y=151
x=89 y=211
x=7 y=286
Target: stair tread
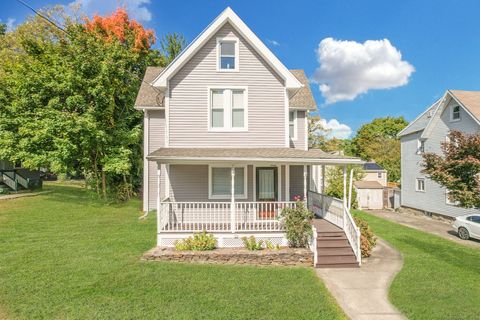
x=338 y=265
x=335 y=251
x=336 y=259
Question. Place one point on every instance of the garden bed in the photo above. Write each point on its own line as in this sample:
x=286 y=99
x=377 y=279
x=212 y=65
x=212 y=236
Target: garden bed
x=280 y=257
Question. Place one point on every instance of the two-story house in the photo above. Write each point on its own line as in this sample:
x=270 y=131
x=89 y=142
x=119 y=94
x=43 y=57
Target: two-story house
x=456 y=110
x=225 y=138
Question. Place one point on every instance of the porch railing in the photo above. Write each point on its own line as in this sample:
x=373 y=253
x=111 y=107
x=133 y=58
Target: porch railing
x=219 y=216
x=333 y=210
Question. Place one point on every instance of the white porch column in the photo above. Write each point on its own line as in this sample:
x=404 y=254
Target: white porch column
x=350 y=190
x=232 y=200
x=305 y=175
x=159 y=219
x=344 y=185
x=323 y=189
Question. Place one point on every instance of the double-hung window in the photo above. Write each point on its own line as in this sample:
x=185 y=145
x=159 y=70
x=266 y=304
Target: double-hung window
x=292 y=124
x=220 y=182
x=420 y=146
x=420 y=185
x=227 y=52
x=228 y=109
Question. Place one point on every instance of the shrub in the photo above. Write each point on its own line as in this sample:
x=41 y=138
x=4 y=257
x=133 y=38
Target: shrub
x=251 y=243
x=199 y=242
x=297 y=225
x=367 y=238
x=270 y=246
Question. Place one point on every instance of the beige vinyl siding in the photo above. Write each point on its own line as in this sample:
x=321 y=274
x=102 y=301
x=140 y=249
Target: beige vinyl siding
x=300 y=142
x=373 y=176
x=190 y=183
x=188 y=118
x=433 y=199
x=156 y=138
x=296 y=181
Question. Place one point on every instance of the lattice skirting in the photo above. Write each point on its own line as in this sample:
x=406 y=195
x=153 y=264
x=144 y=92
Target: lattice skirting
x=224 y=240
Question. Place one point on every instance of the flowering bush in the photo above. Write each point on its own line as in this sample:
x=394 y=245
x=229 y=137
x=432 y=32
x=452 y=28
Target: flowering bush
x=367 y=238
x=297 y=224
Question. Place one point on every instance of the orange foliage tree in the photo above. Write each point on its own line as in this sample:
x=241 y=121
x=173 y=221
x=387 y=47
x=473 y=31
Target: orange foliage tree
x=118 y=26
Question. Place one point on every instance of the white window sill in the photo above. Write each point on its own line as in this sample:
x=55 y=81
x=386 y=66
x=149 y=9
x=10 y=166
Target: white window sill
x=455 y=120
x=227 y=130
x=228 y=70
x=422 y=191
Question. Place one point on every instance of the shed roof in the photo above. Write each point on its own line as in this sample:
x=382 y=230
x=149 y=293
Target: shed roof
x=367 y=185
x=251 y=154
x=372 y=166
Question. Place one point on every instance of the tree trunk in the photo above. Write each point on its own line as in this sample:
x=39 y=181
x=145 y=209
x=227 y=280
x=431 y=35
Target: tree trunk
x=104 y=185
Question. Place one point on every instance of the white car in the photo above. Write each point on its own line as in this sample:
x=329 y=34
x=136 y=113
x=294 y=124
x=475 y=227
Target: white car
x=467 y=226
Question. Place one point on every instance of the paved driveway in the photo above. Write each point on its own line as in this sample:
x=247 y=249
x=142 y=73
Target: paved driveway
x=423 y=223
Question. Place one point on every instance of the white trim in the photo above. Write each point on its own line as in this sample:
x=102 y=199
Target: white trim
x=416 y=185
x=236 y=57
x=451 y=113
x=295 y=125
x=167 y=181
x=245 y=183
x=306 y=130
x=287 y=120
x=287 y=182
x=254 y=197
x=146 y=149
x=401 y=133
x=227 y=16
x=279 y=182
x=227 y=109
x=420 y=148
x=167 y=115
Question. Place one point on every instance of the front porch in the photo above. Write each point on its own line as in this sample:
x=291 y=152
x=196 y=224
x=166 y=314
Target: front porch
x=241 y=193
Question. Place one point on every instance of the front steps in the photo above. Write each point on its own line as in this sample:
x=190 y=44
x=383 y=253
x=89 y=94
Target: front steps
x=333 y=248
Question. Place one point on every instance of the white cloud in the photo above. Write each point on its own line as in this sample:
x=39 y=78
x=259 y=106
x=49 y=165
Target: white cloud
x=273 y=42
x=348 y=68
x=136 y=8
x=334 y=129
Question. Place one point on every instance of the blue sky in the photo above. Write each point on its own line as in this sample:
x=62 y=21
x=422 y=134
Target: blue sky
x=439 y=42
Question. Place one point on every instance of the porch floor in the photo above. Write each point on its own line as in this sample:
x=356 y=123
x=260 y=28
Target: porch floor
x=323 y=225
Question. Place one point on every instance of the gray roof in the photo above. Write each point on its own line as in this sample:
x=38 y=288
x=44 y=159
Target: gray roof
x=372 y=166
x=149 y=96
x=367 y=185
x=301 y=98
x=281 y=154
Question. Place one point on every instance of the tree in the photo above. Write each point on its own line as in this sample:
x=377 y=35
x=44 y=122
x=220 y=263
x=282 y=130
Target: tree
x=67 y=98
x=172 y=44
x=3 y=29
x=378 y=141
x=458 y=169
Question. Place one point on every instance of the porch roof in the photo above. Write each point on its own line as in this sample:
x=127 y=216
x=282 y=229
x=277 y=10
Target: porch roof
x=285 y=155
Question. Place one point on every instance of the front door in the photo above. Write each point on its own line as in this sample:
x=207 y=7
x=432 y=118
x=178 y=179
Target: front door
x=266 y=184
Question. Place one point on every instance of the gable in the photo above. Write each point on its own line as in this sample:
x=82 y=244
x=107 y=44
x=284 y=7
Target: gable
x=227 y=16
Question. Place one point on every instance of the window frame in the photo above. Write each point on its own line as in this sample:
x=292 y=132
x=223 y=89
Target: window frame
x=295 y=125
x=417 y=189
x=447 y=200
x=227 y=109
x=212 y=196
x=420 y=146
x=235 y=40
x=452 y=112
x=379 y=175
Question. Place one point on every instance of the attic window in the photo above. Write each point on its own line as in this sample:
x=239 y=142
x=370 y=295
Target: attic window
x=227 y=54
x=455 y=115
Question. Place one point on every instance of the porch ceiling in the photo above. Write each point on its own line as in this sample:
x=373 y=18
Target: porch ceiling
x=281 y=155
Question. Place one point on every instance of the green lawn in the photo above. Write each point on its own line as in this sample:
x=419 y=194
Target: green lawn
x=440 y=279
x=66 y=256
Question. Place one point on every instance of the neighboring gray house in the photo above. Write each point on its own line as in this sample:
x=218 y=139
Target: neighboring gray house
x=459 y=110
x=225 y=139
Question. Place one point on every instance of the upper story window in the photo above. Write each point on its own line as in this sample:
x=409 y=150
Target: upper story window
x=227 y=51
x=228 y=109
x=455 y=113
x=292 y=124
x=379 y=175
x=420 y=184
x=420 y=146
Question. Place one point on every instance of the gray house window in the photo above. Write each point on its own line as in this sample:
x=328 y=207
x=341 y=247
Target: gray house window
x=455 y=113
x=420 y=146
x=228 y=109
x=292 y=124
x=227 y=53
x=220 y=182
x=420 y=185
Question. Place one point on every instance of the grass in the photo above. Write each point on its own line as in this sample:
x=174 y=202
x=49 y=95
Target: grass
x=439 y=279
x=64 y=255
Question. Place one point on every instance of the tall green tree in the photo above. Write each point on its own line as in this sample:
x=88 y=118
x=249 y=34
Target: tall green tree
x=3 y=29
x=171 y=46
x=378 y=141
x=67 y=98
x=458 y=169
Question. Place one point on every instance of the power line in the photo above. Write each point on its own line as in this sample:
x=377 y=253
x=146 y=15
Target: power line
x=41 y=15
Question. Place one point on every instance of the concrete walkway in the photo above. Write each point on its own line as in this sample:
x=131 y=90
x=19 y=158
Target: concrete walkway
x=426 y=224
x=363 y=292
